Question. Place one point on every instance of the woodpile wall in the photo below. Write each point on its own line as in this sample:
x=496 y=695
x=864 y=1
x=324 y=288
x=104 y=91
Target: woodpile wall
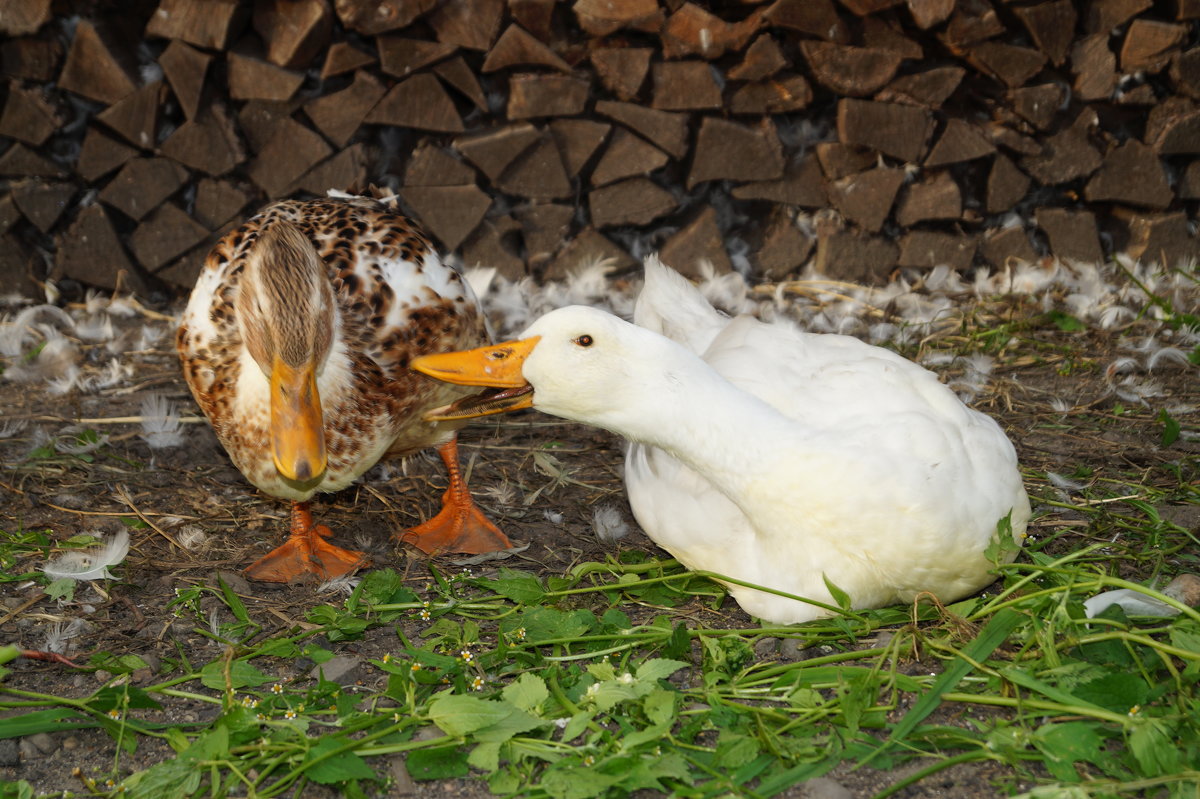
x=860 y=135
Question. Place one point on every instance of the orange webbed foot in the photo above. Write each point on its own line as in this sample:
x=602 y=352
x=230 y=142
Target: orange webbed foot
x=460 y=526
x=305 y=552
x=457 y=528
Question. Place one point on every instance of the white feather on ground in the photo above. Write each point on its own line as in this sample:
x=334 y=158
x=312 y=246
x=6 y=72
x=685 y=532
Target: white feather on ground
x=89 y=564
x=161 y=427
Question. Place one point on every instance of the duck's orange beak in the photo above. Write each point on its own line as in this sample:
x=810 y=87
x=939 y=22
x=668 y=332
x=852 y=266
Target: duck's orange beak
x=297 y=426
x=496 y=367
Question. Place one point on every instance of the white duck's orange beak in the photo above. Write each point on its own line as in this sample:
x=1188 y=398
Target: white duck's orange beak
x=497 y=368
x=297 y=426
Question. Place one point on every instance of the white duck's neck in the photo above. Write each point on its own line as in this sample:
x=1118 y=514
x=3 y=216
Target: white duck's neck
x=709 y=424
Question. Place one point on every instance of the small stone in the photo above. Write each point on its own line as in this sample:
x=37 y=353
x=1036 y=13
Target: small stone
x=10 y=752
x=340 y=669
x=43 y=742
x=824 y=788
x=1184 y=588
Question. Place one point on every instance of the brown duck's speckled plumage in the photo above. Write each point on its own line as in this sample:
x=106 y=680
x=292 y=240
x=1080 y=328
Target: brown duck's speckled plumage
x=395 y=300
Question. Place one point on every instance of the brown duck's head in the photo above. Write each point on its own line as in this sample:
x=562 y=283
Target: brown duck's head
x=286 y=312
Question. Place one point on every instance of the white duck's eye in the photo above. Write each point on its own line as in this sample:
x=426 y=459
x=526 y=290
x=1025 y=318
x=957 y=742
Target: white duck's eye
x=585 y=340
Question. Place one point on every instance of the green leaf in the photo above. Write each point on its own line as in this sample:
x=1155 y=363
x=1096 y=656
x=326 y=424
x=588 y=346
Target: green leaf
x=241 y=675
x=1002 y=549
x=1064 y=744
x=549 y=624
x=577 y=724
x=527 y=692
x=520 y=587
x=61 y=590
x=1065 y=322
x=735 y=750
x=328 y=769
x=659 y=706
x=840 y=597
x=437 y=763
x=1171 y=428
x=1155 y=749
x=37 y=721
x=1118 y=691
x=659 y=669
x=485 y=756
x=459 y=715
x=679 y=645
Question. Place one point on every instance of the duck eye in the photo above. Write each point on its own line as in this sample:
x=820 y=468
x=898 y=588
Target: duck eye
x=585 y=340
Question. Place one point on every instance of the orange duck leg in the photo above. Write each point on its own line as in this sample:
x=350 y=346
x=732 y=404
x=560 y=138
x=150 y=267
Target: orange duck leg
x=305 y=552
x=460 y=526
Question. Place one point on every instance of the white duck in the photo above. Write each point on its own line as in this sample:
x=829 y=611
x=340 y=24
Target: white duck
x=765 y=453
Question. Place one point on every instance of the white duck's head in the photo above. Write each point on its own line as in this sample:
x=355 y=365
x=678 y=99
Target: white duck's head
x=576 y=362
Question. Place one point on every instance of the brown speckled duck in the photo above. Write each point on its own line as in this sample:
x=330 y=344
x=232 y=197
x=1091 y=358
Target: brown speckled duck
x=296 y=344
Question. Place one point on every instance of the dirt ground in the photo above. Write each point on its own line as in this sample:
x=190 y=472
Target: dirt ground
x=1055 y=401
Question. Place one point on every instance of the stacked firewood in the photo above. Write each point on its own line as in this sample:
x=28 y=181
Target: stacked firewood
x=862 y=136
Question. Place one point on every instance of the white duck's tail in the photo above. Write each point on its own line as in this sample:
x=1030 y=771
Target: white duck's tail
x=671 y=306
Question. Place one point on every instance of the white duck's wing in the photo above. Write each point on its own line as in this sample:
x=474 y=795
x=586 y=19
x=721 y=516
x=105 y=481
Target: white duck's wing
x=905 y=442
x=671 y=306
